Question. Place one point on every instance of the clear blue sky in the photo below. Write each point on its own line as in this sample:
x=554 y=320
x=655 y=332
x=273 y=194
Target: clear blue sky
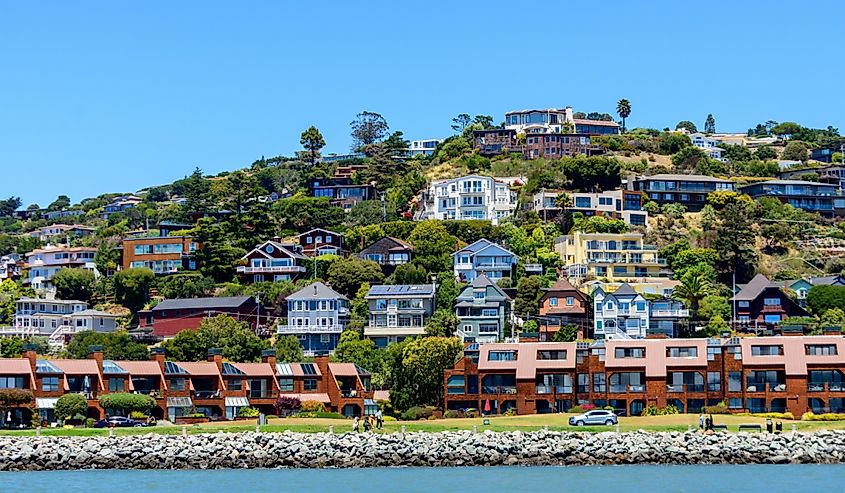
x=108 y=96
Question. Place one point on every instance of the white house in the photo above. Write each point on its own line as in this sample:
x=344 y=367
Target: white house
x=622 y=314
x=43 y=263
x=57 y=320
x=423 y=147
x=709 y=145
x=471 y=197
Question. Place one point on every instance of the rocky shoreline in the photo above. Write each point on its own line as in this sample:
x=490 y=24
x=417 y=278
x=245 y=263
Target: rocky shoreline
x=320 y=450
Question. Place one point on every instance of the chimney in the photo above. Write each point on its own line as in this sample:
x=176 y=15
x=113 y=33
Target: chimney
x=269 y=356
x=157 y=354
x=216 y=355
x=96 y=353
x=28 y=352
x=277 y=239
x=322 y=363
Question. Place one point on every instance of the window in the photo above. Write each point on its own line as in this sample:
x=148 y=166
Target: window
x=116 y=384
x=771 y=301
x=735 y=403
x=501 y=356
x=599 y=382
x=48 y=384
x=177 y=384
x=682 y=352
x=479 y=295
x=714 y=381
x=735 y=381
x=308 y=369
x=820 y=349
x=630 y=352
x=569 y=300
x=743 y=304
x=767 y=350
x=641 y=306
x=309 y=384
x=455 y=384
x=552 y=301
x=235 y=384
x=559 y=354
x=286 y=384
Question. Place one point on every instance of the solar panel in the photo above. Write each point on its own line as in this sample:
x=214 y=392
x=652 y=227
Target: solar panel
x=172 y=368
x=44 y=366
x=361 y=371
x=110 y=366
x=284 y=369
x=308 y=368
x=230 y=369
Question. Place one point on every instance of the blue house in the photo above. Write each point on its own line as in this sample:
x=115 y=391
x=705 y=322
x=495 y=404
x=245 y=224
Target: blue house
x=317 y=315
x=811 y=196
x=484 y=257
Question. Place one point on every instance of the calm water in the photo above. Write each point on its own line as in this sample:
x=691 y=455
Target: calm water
x=630 y=479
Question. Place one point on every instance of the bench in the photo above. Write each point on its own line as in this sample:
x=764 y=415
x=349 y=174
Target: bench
x=750 y=427
x=720 y=427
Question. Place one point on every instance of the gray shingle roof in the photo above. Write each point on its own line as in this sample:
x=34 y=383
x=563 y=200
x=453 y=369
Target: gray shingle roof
x=201 y=303
x=401 y=290
x=671 y=177
x=625 y=290
x=752 y=290
x=316 y=291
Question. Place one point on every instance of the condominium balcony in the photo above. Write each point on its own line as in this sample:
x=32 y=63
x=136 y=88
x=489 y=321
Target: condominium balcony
x=826 y=387
x=276 y=269
x=679 y=313
x=680 y=388
x=765 y=387
x=622 y=389
x=504 y=389
x=552 y=389
x=310 y=329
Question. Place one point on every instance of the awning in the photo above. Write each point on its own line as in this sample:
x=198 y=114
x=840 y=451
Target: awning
x=179 y=402
x=237 y=402
x=45 y=402
x=324 y=398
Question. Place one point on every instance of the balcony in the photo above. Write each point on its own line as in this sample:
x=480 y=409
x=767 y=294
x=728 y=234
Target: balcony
x=622 y=389
x=679 y=313
x=765 y=387
x=309 y=329
x=552 y=389
x=680 y=388
x=493 y=265
x=275 y=269
x=207 y=394
x=499 y=390
x=826 y=387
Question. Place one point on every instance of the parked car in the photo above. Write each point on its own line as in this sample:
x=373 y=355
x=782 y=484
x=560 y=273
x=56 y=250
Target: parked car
x=118 y=422
x=594 y=417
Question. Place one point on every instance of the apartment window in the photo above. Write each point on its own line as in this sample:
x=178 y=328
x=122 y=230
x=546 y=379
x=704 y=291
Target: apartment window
x=820 y=349
x=771 y=301
x=735 y=403
x=286 y=384
x=682 y=352
x=559 y=354
x=455 y=384
x=309 y=384
x=714 y=381
x=116 y=384
x=177 y=384
x=767 y=350
x=630 y=352
x=599 y=382
x=501 y=356
x=48 y=384
x=743 y=304
x=735 y=381
x=235 y=384
x=569 y=301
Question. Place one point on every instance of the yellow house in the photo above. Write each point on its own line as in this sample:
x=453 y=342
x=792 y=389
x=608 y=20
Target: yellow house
x=620 y=257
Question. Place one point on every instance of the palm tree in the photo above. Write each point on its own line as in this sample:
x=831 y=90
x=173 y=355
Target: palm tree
x=623 y=108
x=564 y=201
x=694 y=286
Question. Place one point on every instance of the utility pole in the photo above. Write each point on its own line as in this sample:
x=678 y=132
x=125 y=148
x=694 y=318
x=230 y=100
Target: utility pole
x=733 y=299
x=383 y=209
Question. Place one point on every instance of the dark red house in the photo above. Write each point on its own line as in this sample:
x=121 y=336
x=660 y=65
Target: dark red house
x=762 y=304
x=320 y=242
x=170 y=317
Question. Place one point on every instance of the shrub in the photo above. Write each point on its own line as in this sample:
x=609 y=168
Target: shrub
x=582 y=408
x=471 y=413
x=418 y=412
x=385 y=406
x=286 y=405
x=248 y=412
x=329 y=415
x=720 y=408
x=70 y=405
x=786 y=415
x=651 y=410
x=138 y=415
x=312 y=407
x=10 y=398
x=510 y=412
x=388 y=418
x=811 y=416
x=89 y=423
x=126 y=403
x=453 y=414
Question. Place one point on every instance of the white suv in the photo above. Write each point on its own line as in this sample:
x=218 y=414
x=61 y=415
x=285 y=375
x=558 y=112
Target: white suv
x=594 y=417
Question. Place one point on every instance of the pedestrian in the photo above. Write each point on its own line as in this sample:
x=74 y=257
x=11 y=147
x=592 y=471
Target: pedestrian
x=701 y=422
x=710 y=426
x=366 y=423
x=708 y=423
x=356 y=424
x=379 y=419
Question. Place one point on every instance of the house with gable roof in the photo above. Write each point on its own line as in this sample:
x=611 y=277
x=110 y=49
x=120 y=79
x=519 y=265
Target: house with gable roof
x=763 y=304
x=484 y=257
x=483 y=309
x=272 y=261
x=388 y=252
x=622 y=314
x=320 y=241
x=560 y=305
x=317 y=315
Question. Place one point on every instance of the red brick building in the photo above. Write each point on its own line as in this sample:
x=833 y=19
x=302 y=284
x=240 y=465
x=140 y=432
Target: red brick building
x=754 y=374
x=170 y=317
x=560 y=305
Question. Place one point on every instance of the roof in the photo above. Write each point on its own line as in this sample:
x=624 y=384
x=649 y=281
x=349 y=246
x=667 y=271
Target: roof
x=794 y=358
x=94 y=313
x=324 y=398
x=547 y=110
x=200 y=368
x=526 y=363
x=483 y=244
x=625 y=290
x=202 y=303
x=752 y=290
x=343 y=369
x=140 y=367
x=684 y=178
x=278 y=246
x=17 y=366
x=401 y=290
x=298 y=370
x=484 y=282
x=562 y=284
x=603 y=123
x=256 y=369
x=77 y=366
x=317 y=229
x=316 y=291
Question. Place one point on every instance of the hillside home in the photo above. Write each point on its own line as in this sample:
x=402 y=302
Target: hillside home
x=61 y=232
x=822 y=198
x=43 y=263
x=609 y=256
x=484 y=257
x=762 y=304
x=471 y=197
x=56 y=319
x=622 y=314
x=691 y=191
x=398 y=311
x=613 y=204
x=161 y=254
x=320 y=242
x=317 y=315
x=560 y=305
x=388 y=252
x=171 y=316
x=483 y=309
x=272 y=261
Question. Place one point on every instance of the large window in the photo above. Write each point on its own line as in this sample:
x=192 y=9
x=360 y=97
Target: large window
x=624 y=381
x=714 y=381
x=116 y=384
x=48 y=384
x=767 y=350
x=735 y=381
x=820 y=349
x=13 y=382
x=286 y=384
x=309 y=384
x=455 y=384
x=630 y=352
x=501 y=356
x=599 y=382
x=682 y=352
x=559 y=354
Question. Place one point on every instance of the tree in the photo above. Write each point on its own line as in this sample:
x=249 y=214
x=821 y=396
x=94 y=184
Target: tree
x=10 y=292
x=196 y=190
x=126 y=403
x=13 y=398
x=671 y=142
x=442 y=323
x=368 y=128
x=673 y=210
x=687 y=125
x=61 y=203
x=312 y=141
x=623 y=109
x=590 y=174
x=11 y=347
x=69 y=405
x=433 y=246
x=714 y=305
x=186 y=345
x=689 y=158
x=527 y=296
x=460 y=122
x=107 y=257
x=710 y=124
x=483 y=121
x=347 y=274
x=288 y=349
x=447 y=291
x=359 y=307
x=410 y=274
x=833 y=317
x=240 y=190
x=132 y=287
x=303 y=213
x=352 y=348
x=116 y=345
x=74 y=284
x=694 y=286
x=692 y=257
x=735 y=242
x=765 y=153
x=822 y=298
x=9 y=206
x=795 y=151
x=716 y=326
x=422 y=365
x=786 y=129
x=368 y=212
x=567 y=333
x=187 y=285
x=234 y=338
x=216 y=257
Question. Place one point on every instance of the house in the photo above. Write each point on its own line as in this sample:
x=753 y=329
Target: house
x=610 y=256
x=388 y=252
x=425 y=147
x=655 y=286
x=214 y=388
x=43 y=263
x=554 y=145
x=691 y=191
x=802 y=286
x=484 y=257
x=398 y=311
x=342 y=192
x=709 y=145
x=626 y=205
x=596 y=127
x=483 y=309
x=52 y=215
x=668 y=317
x=56 y=319
x=171 y=316
x=831 y=174
x=61 y=232
x=10 y=266
x=810 y=196
x=272 y=261
x=762 y=304
x=823 y=154
x=317 y=315
x=551 y=120
x=320 y=242
x=495 y=141
x=120 y=204
x=471 y=197
x=752 y=374
x=161 y=254
x=170 y=228
x=622 y=314
x=560 y=305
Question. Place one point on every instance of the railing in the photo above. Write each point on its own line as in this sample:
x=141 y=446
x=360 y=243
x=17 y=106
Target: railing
x=259 y=394
x=207 y=394
x=553 y=389
x=306 y=329
x=765 y=387
x=670 y=313
x=689 y=387
x=493 y=265
x=349 y=393
x=621 y=389
x=826 y=386
x=505 y=389
x=270 y=269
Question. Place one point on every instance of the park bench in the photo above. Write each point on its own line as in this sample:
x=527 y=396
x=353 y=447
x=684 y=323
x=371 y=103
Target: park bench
x=750 y=427
x=720 y=427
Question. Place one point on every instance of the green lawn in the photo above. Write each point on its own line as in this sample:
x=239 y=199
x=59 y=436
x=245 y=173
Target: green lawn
x=556 y=422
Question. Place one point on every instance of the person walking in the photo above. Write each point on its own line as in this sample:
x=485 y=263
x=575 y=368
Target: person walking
x=366 y=423
x=701 y=422
x=356 y=424
x=379 y=420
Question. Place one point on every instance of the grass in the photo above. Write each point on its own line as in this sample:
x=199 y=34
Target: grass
x=555 y=422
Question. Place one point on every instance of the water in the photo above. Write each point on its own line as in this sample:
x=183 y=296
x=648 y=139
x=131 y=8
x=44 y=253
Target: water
x=630 y=479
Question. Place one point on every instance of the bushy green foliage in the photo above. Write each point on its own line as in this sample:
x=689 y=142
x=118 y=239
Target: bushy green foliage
x=236 y=339
x=823 y=298
x=132 y=287
x=346 y=275
x=248 y=412
x=70 y=405
x=288 y=349
x=651 y=410
x=117 y=345
x=74 y=284
x=416 y=413
x=312 y=407
x=126 y=403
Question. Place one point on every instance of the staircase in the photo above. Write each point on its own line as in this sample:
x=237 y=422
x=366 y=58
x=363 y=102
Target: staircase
x=56 y=340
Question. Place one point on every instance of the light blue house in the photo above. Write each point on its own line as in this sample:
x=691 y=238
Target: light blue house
x=317 y=315
x=484 y=257
x=482 y=309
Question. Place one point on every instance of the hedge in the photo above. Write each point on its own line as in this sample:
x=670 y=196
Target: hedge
x=70 y=405
x=811 y=416
x=127 y=403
